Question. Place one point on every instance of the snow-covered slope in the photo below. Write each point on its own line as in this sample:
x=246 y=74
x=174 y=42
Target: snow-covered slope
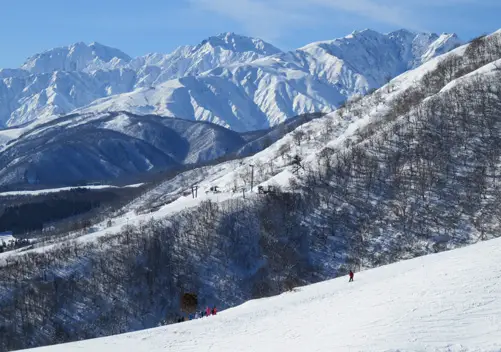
x=265 y=92
x=63 y=189
x=315 y=78
x=244 y=97
x=444 y=302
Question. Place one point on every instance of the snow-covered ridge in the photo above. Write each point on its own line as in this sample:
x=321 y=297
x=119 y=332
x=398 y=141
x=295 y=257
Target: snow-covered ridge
x=414 y=48
x=434 y=303
x=76 y=57
x=312 y=79
x=267 y=91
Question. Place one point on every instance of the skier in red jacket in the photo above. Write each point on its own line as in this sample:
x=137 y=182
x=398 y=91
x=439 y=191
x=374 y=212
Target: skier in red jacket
x=351 y=276
x=207 y=311
x=214 y=310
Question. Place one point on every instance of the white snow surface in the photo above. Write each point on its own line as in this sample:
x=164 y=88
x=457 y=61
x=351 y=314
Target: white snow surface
x=235 y=81
x=444 y=302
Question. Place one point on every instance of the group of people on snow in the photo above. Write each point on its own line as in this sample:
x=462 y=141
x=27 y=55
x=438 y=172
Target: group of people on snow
x=199 y=314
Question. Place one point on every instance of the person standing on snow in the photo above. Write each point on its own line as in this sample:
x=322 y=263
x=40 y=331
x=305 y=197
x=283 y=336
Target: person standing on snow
x=207 y=311
x=214 y=310
x=351 y=276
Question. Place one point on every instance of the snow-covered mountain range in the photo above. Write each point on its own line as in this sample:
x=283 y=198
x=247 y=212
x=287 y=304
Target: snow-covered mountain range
x=235 y=81
x=63 y=79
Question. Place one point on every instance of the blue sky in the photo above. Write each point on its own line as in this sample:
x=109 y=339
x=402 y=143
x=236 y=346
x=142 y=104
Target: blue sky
x=139 y=27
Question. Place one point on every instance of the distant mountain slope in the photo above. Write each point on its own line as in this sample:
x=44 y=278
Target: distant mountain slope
x=107 y=146
x=267 y=91
x=236 y=94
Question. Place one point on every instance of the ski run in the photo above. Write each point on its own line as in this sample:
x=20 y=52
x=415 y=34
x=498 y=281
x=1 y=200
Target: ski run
x=442 y=302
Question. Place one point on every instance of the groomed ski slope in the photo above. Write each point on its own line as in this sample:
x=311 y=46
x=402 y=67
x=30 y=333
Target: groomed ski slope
x=444 y=302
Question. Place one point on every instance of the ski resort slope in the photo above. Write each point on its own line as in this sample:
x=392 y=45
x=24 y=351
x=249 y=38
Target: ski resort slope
x=444 y=302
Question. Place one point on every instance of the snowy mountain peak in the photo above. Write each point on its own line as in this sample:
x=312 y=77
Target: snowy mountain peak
x=75 y=57
x=221 y=50
x=238 y=43
x=107 y=53
x=365 y=32
x=402 y=33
